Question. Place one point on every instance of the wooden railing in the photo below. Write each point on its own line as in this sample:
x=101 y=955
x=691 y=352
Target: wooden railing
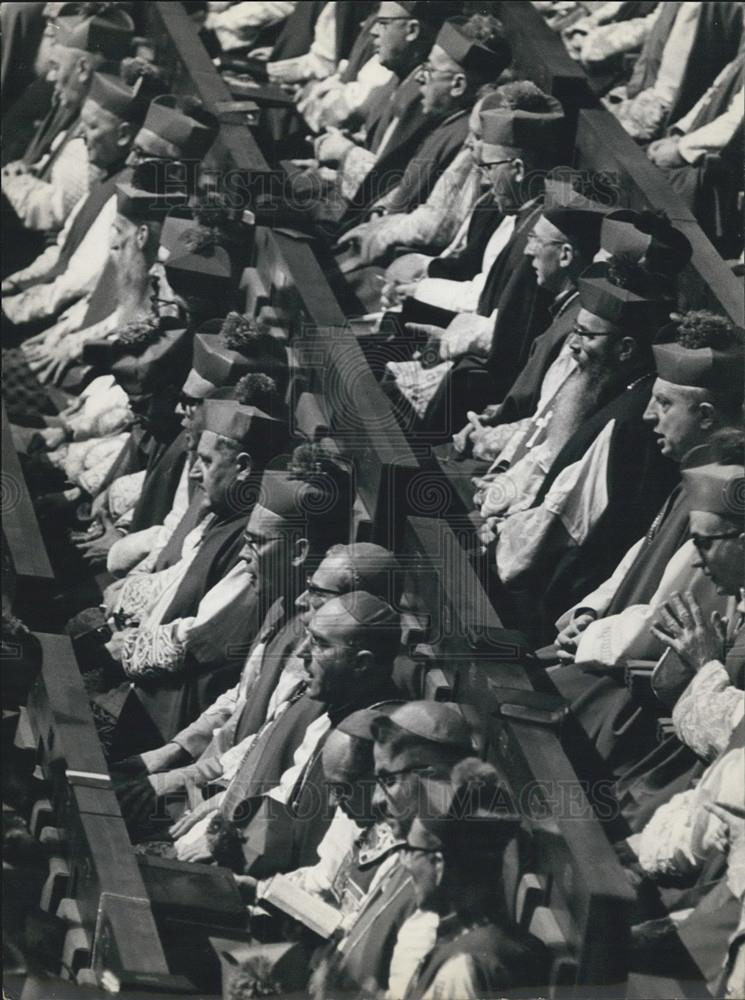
x=22 y=536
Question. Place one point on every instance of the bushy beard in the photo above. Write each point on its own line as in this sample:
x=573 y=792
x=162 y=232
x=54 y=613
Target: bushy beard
x=576 y=400
x=133 y=284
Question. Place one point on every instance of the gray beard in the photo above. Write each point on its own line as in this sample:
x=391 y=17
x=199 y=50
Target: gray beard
x=133 y=289
x=576 y=400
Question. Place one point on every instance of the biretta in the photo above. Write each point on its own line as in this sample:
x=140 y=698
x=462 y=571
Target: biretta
x=669 y=249
x=179 y=220
x=108 y=33
x=151 y=190
x=190 y=132
x=506 y=132
x=559 y=191
x=486 y=62
x=262 y=436
x=430 y=11
x=114 y=95
x=716 y=489
x=318 y=499
x=619 y=306
x=620 y=237
x=699 y=367
x=200 y=265
x=581 y=226
x=214 y=365
x=436 y=721
x=164 y=362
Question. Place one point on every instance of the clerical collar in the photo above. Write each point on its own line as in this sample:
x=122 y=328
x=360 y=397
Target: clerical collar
x=562 y=300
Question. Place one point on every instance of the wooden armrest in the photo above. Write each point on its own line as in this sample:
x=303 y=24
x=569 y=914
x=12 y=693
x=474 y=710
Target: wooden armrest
x=665 y=728
x=438 y=685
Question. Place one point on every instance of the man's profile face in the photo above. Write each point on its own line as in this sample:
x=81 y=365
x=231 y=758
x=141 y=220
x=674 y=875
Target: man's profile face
x=436 y=77
x=675 y=419
x=398 y=791
x=216 y=469
x=390 y=35
x=719 y=550
x=544 y=247
x=102 y=134
x=64 y=73
x=267 y=549
x=593 y=342
x=330 y=655
x=329 y=581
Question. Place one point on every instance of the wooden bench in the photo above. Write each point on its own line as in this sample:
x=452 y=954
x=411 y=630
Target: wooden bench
x=21 y=533
x=573 y=893
x=98 y=857
x=144 y=921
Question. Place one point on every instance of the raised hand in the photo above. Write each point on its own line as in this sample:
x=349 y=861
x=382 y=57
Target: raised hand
x=682 y=626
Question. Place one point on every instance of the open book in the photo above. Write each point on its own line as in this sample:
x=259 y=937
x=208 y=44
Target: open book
x=281 y=893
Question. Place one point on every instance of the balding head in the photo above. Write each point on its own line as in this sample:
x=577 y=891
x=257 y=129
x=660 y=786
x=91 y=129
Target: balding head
x=348 y=772
x=352 y=641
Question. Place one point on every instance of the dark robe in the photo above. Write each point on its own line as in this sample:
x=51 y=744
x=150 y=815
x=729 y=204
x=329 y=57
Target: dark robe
x=639 y=479
x=523 y=313
x=23 y=26
x=281 y=837
x=430 y=151
x=280 y=635
x=522 y=397
x=58 y=118
x=89 y=211
x=620 y=730
x=148 y=712
x=296 y=35
x=280 y=644
x=362 y=50
x=363 y=957
x=141 y=451
x=23 y=118
x=402 y=102
x=171 y=551
x=502 y=957
x=521 y=400
x=672 y=766
x=161 y=482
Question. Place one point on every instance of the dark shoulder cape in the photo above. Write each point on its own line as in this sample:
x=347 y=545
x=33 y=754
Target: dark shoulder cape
x=369 y=945
x=161 y=481
x=138 y=453
x=644 y=575
x=523 y=395
x=172 y=702
x=434 y=155
x=462 y=266
x=284 y=637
